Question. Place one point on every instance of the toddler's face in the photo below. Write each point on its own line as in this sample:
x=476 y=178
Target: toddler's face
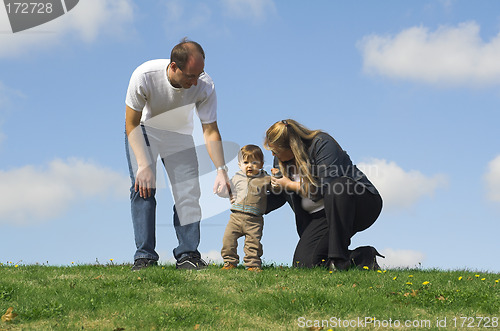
x=250 y=167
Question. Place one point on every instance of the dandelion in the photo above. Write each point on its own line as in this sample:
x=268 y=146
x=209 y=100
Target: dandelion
x=410 y=276
x=483 y=278
x=395 y=278
x=331 y=271
x=379 y=271
x=408 y=283
x=460 y=278
x=111 y=260
x=426 y=283
x=16 y=266
x=366 y=268
x=498 y=280
x=477 y=276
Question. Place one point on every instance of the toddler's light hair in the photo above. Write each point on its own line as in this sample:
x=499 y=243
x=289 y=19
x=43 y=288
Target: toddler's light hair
x=250 y=153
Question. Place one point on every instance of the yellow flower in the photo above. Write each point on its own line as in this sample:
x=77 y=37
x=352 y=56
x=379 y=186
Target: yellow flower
x=395 y=278
x=16 y=266
x=111 y=260
x=496 y=281
x=410 y=276
x=460 y=278
x=408 y=283
x=426 y=283
x=331 y=271
x=477 y=276
x=366 y=268
x=379 y=271
x=483 y=278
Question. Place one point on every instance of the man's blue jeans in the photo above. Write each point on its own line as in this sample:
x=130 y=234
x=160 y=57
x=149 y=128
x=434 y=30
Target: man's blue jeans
x=178 y=155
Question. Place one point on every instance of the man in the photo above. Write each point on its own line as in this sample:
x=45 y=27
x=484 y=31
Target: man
x=161 y=97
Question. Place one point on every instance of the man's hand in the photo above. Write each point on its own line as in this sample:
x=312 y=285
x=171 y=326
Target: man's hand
x=222 y=187
x=145 y=182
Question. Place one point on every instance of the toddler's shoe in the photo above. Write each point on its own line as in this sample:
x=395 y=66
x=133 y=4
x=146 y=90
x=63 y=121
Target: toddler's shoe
x=228 y=266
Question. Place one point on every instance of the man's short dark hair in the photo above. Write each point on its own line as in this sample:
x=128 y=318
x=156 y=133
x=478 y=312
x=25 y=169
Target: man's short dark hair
x=181 y=52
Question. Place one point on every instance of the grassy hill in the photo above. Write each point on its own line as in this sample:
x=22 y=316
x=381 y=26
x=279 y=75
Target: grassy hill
x=111 y=297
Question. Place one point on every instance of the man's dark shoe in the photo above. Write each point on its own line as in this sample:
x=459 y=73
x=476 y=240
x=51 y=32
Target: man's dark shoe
x=191 y=262
x=143 y=263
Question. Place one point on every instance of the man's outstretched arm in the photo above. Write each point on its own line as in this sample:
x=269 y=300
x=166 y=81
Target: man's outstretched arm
x=213 y=141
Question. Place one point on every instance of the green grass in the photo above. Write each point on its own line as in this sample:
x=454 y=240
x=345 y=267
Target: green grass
x=111 y=297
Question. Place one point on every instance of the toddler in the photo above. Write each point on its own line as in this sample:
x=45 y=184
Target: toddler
x=249 y=188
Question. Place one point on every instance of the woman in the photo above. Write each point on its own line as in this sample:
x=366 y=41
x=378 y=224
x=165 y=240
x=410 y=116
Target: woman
x=331 y=198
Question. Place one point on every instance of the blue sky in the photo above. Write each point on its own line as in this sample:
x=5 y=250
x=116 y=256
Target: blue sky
x=410 y=89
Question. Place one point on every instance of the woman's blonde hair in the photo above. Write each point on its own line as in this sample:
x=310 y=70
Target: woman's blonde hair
x=290 y=134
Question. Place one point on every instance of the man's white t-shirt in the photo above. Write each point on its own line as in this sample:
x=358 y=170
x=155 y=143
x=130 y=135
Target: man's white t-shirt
x=166 y=107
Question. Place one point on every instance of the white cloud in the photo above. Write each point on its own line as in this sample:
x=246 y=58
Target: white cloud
x=393 y=258
x=34 y=194
x=492 y=179
x=400 y=258
x=88 y=19
x=210 y=257
x=92 y=17
x=451 y=55
x=400 y=189
x=253 y=10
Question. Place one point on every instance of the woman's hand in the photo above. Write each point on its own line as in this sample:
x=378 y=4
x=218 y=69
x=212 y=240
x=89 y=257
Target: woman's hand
x=283 y=183
x=280 y=182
